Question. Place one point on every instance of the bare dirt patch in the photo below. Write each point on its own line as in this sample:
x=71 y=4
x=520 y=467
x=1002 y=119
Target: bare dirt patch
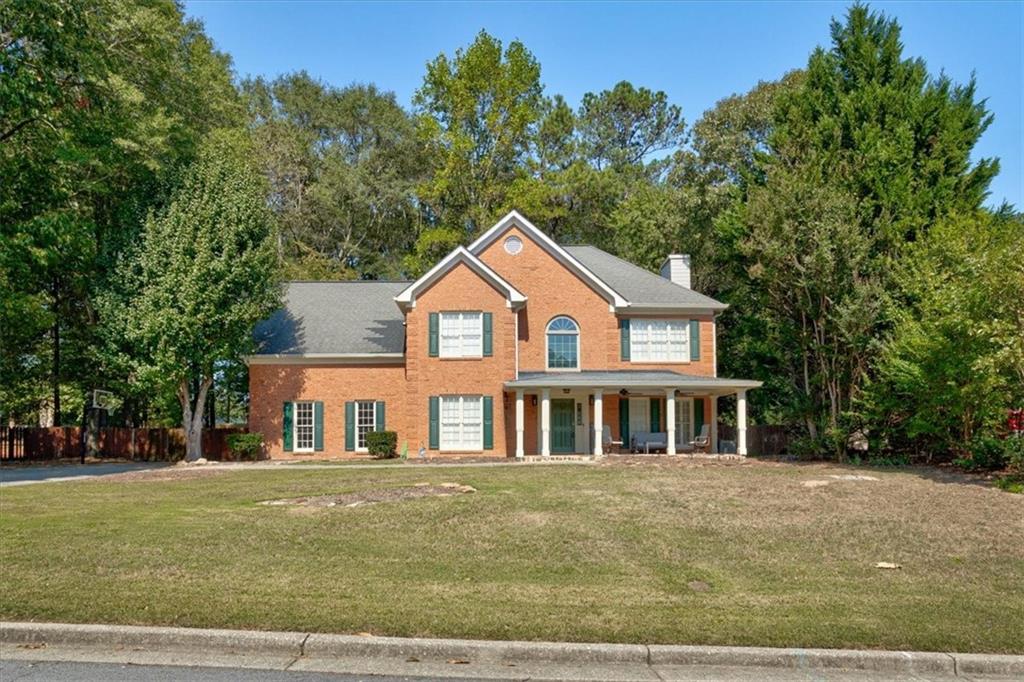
x=171 y=473
x=374 y=496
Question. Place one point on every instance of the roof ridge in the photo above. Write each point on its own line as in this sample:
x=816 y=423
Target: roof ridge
x=347 y=281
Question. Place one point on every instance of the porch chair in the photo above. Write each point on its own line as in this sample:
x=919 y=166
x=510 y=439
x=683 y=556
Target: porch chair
x=703 y=441
x=607 y=442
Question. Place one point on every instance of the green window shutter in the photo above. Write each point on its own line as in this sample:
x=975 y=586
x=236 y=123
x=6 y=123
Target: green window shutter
x=488 y=335
x=655 y=415
x=624 y=339
x=698 y=416
x=624 y=421
x=286 y=426
x=318 y=426
x=488 y=422
x=695 y=339
x=350 y=426
x=434 y=440
x=432 y=342
x=379 y=421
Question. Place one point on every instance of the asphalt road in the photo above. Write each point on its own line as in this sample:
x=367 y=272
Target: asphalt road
x=26 y=475
x=70 y=671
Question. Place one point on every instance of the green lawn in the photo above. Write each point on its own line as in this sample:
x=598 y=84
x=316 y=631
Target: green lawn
x=587 y=553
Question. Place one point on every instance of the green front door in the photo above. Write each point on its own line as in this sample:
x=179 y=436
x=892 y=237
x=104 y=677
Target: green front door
x=563 y=427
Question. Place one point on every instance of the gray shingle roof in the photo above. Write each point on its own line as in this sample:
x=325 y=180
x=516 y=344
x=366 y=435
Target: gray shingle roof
x=642 y=288
x=629 y=378
x=335 y=317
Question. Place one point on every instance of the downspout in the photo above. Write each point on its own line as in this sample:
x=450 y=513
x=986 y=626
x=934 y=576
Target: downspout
x=714 y=345
x=517 y=345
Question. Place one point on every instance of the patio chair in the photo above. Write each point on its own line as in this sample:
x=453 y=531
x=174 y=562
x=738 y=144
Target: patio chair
x=607 y=442
x=703 y=441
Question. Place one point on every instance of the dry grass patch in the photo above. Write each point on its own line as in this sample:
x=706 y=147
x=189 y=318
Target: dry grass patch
x=741 y=554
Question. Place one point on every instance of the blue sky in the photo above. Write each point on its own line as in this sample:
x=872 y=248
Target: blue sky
x=696 y=52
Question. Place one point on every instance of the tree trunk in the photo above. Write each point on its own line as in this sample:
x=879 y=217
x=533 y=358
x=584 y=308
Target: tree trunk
x=192 y=416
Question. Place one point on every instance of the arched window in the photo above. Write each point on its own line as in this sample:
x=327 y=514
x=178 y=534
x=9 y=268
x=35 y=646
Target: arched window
x=563 y=343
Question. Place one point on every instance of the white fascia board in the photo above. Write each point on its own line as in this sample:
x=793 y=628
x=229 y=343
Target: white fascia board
x=324 y=358
x=635 y=311
x=549 y=245
x=407 y=297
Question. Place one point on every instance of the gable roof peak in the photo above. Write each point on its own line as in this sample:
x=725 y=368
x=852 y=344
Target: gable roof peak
x=516 y=219
x=460 y=254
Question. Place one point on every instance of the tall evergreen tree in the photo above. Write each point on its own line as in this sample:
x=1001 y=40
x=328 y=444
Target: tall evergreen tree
x=861 y=159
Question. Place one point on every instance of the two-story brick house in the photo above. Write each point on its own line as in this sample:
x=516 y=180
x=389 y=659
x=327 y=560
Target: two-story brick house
x=512 y=346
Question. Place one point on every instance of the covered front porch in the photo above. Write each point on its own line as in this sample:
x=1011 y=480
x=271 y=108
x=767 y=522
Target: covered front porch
x=594 y=412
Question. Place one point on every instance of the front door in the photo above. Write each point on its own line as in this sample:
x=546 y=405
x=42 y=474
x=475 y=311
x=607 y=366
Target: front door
x=563 y=425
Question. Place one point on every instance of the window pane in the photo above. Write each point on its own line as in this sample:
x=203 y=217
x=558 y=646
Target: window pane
x=461 y=422
x=304 y=426
x=461 y=335
x=563 y=351
x=366 y=418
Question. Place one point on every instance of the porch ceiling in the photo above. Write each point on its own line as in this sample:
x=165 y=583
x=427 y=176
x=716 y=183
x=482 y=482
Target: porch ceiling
x=630 y=380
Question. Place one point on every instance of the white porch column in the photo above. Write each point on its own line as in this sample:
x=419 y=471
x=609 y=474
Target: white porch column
x=519 y=425
x=670 y=420
x=741 y=422
x=598 y=422
x=545 y=422
x=713 y=444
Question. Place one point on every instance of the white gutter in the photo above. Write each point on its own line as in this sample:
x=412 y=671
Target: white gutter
x=324 y=358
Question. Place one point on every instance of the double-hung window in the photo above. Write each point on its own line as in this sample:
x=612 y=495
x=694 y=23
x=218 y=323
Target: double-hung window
x=462 y=335
x=462 y=422
x=303 y=432
x=659 y=340
x=366 y=421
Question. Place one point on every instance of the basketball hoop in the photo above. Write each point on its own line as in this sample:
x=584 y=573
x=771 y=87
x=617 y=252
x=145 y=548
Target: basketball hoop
x=104 y=400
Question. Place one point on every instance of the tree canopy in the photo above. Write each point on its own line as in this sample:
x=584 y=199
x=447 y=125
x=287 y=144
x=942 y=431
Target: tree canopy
x=837 y=210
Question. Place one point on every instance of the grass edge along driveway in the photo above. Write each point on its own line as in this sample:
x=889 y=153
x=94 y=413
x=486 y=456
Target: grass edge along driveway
x=743 y=554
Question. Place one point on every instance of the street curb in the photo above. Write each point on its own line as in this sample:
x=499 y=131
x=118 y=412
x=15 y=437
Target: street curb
x=347 y=646
x=845 y=659
x=131 y=636
x=326 y=646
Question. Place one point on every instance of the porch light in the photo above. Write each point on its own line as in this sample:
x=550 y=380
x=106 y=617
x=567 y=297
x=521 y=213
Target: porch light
x=591 y=397
x=533 y=400
x=623 y=393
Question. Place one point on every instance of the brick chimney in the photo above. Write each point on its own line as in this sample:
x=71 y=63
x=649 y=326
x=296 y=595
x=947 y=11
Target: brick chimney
x=676 y=268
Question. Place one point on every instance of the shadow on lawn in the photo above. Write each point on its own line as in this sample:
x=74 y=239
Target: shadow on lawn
x=944 y=474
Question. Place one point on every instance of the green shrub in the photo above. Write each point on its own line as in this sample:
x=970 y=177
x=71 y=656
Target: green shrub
x=381 y=444
x=245 y=446
x=1013 y=449
x=806 y=448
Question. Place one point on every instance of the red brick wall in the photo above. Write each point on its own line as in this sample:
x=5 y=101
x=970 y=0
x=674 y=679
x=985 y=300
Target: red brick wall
x=460 y=289
x=270 y=386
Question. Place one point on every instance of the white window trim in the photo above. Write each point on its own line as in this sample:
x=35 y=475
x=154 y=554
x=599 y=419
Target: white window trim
x=579 y=346
x=440 y=334
x=462 y=418
x=295 y=426
x=646 y=412
x=634 y=323
x=373 y=425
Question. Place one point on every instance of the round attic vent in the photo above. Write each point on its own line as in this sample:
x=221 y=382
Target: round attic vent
x=513 y=245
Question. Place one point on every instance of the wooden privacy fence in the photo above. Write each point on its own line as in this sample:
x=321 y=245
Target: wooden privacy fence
x=29 y=442
x=762 y=439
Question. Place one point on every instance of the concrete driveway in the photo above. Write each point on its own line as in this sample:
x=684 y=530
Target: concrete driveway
x=43 y=473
